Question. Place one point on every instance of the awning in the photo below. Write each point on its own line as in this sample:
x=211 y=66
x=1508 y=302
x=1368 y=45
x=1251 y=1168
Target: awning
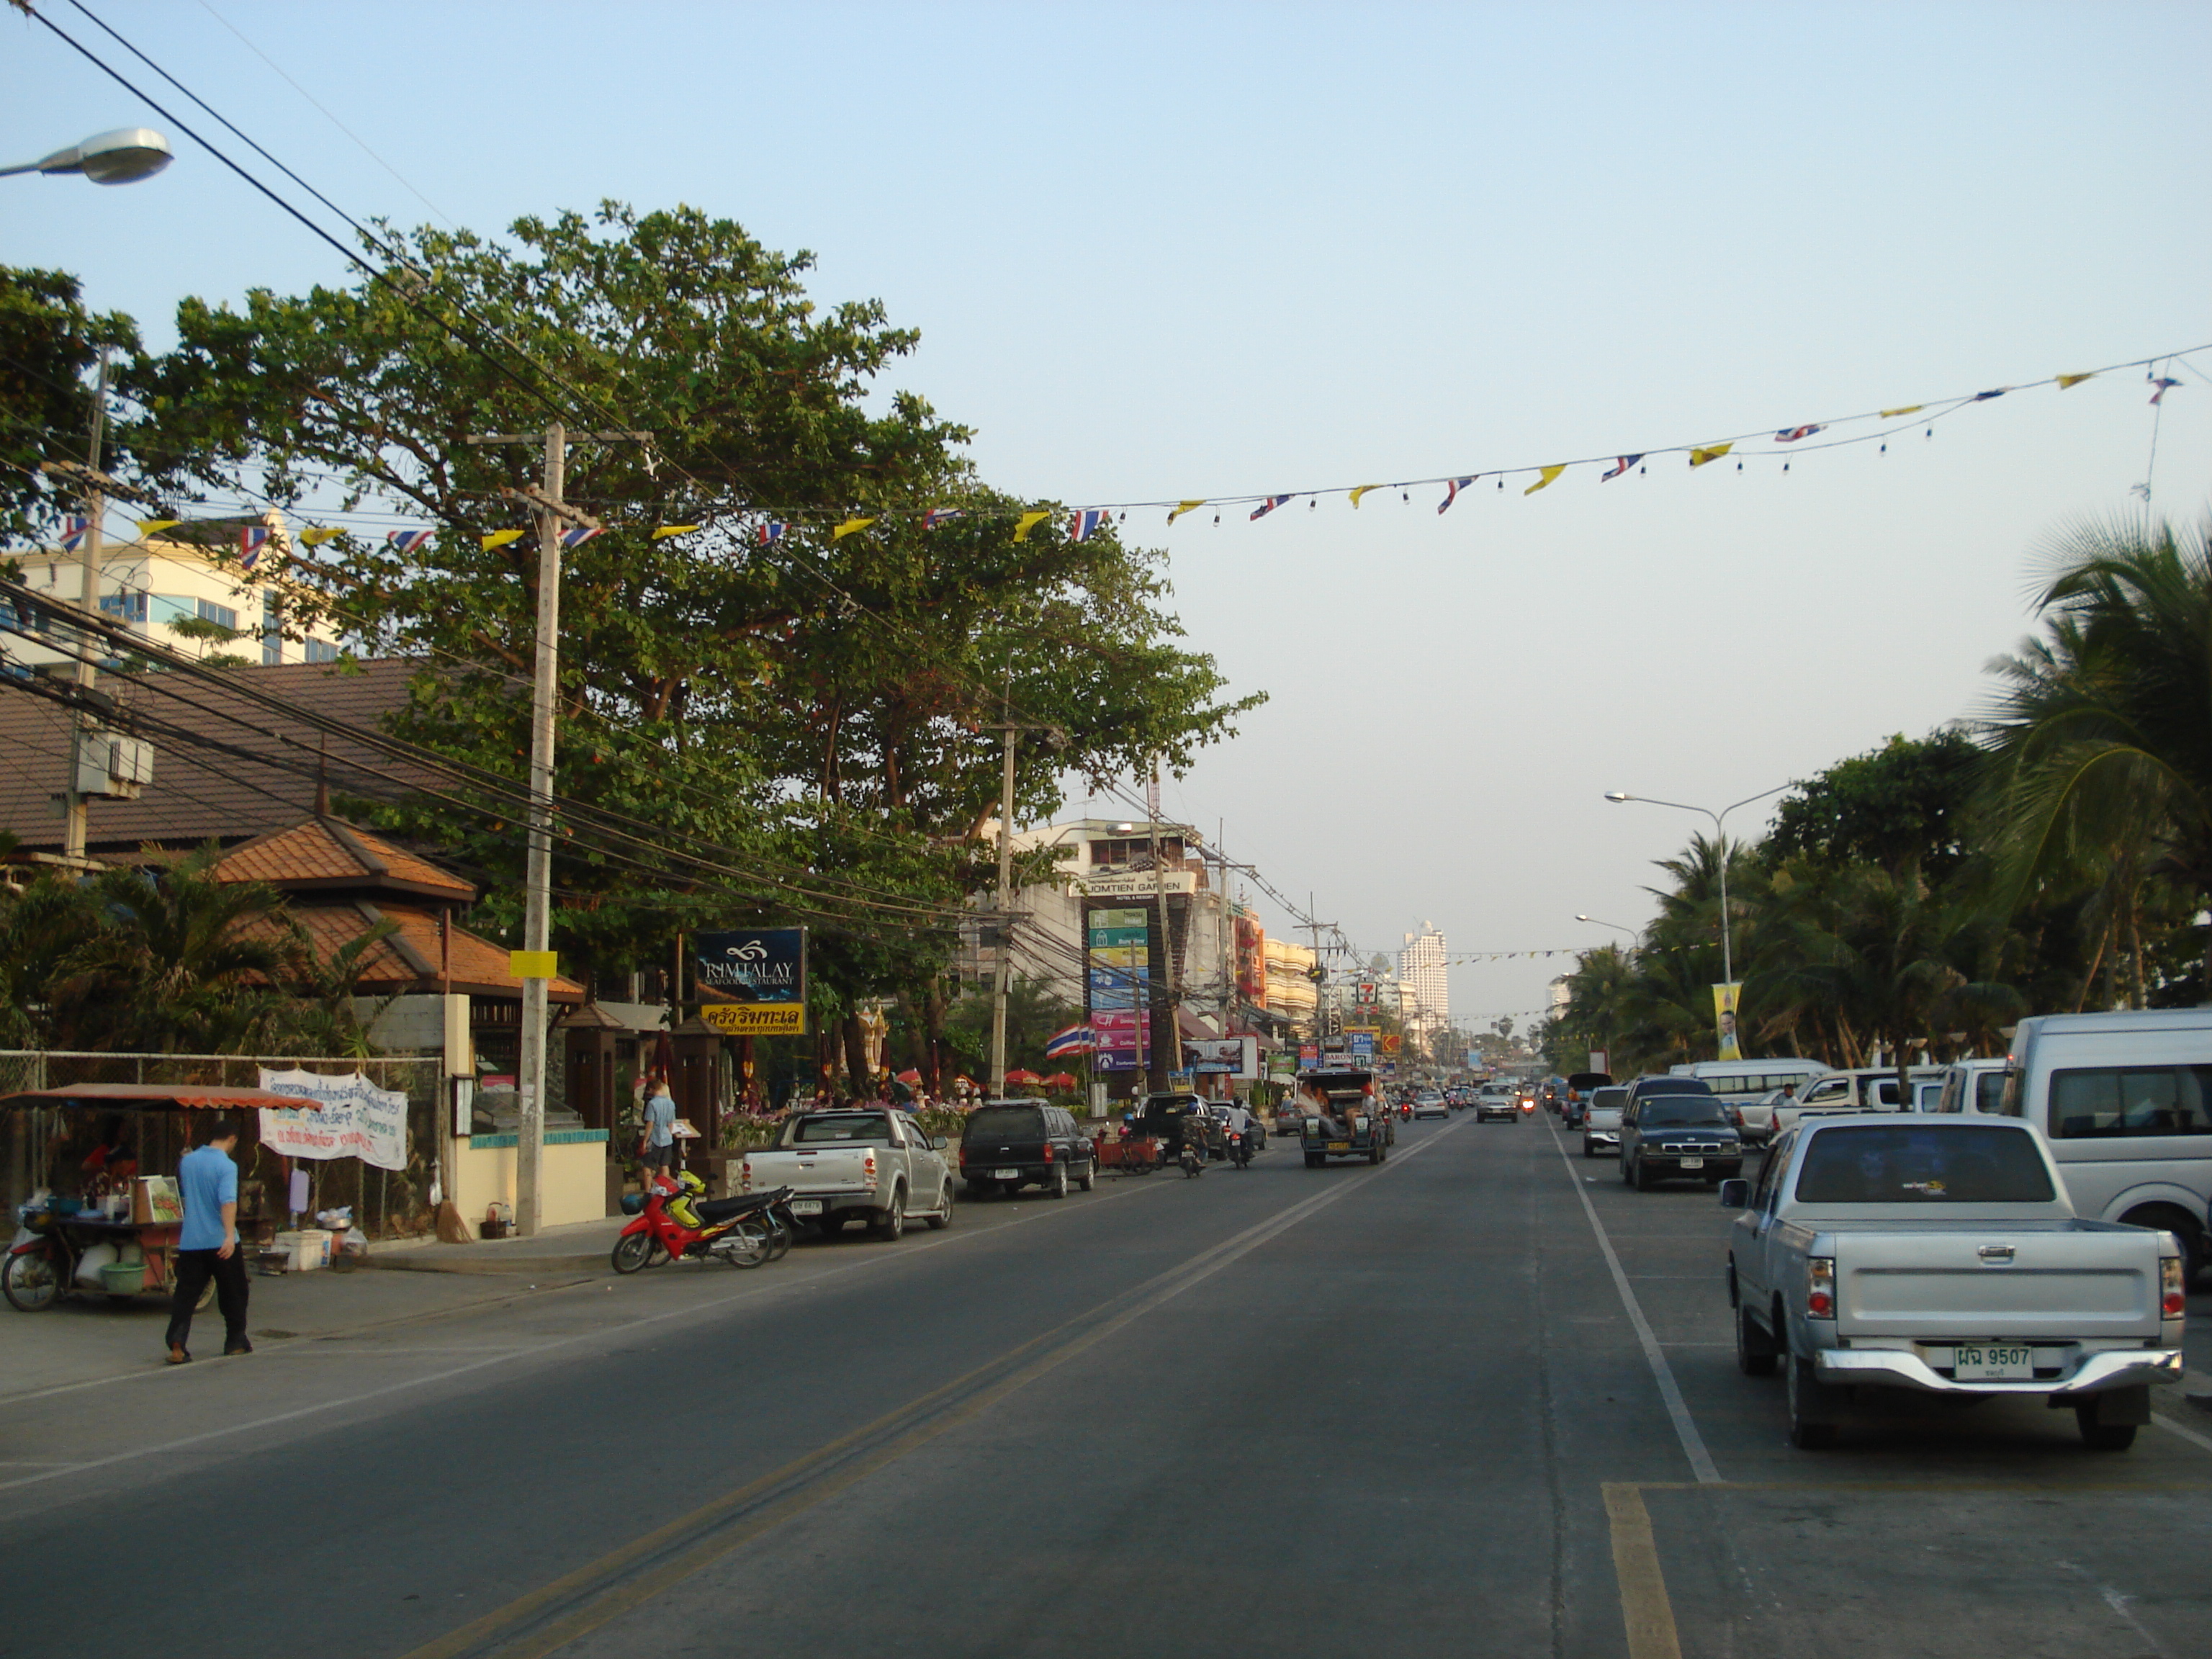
x=159 y=1097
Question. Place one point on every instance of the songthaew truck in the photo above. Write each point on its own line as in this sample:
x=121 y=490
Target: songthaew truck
x=1340 y=1115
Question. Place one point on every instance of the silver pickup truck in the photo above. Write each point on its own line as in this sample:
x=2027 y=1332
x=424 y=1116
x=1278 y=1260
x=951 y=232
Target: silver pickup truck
x=1941 y=1253
x=871 y=1164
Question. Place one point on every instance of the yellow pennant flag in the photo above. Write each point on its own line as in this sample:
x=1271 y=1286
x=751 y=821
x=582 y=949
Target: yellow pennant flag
x=2065 y=380
x=1908 y=408
x=849 y=527
x=499 y=538
x=155 y=526
x=322 y=532
x=1181 y=508
x=1029 y=521
x=662 y=533
x=1699 y=457
x=1550 y=473
x=1362 y=490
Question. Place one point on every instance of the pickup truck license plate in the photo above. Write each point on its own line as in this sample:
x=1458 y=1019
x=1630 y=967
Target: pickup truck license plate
x=1973 y=1364
x=1006 y=1174
x=1340 y=1145
x=1693 y=1164
x=806 y=1207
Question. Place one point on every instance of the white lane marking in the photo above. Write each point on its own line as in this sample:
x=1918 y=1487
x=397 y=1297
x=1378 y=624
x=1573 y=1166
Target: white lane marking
x=2188 y=1434
x=1685 y=1428
x=1289 y=1217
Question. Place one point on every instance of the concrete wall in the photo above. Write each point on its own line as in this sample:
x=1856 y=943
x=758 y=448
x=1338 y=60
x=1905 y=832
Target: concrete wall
x=574 y=1186
x=412 y=1025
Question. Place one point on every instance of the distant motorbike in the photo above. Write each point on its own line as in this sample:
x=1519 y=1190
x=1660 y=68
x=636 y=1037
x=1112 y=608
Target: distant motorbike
x=1240 y=1148
x=672 y=1220
x=1193 y=1159
x=1405 y=1110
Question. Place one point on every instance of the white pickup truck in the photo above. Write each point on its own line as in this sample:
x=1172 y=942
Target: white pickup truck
x=1941 y=1253
x=869 y=1163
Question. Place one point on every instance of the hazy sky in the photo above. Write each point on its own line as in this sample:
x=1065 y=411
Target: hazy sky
x=1193 y=249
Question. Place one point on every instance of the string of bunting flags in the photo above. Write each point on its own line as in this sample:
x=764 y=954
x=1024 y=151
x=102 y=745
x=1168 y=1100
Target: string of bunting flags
x=1082 y=522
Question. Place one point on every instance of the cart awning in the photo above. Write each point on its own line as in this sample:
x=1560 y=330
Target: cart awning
x=159 y=1097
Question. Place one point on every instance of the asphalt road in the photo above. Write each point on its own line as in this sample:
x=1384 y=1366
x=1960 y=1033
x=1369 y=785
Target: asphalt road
x=1443 y=1406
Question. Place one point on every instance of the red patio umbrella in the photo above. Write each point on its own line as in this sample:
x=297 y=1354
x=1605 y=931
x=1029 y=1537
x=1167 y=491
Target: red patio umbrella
x=909 y=1077
x=1018 y=1075
x=1060 y=1081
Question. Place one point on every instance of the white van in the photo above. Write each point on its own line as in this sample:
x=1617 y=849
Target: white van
x=2126 y=1100
x=1743 y=1085
x=1971 y=1085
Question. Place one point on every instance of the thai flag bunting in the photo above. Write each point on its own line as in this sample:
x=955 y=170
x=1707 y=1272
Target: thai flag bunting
x=73 y=529
x=1075 y=1040
x=1452 y=488
x=1791 y=434
x=771 y=533
x=1269 y=506
x=408 y=541
x=1619 y=467
x=1081 y=524
x=251 y=540
x=2162 y=384
x=938 y=515
x=577 y=535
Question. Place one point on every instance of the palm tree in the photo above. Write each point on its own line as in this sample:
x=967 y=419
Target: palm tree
x=2102 y=731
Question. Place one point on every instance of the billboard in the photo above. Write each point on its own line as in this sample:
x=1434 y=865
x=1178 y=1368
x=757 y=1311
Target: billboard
x=1251 y=962
x=1237 y=1057
x=752 y=982
x=1117 y=985
x=1725 y=998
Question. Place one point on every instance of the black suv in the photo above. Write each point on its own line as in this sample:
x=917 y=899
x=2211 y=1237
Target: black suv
x=1171 y=1119
x=1011 y=1144
x=1675 y=1127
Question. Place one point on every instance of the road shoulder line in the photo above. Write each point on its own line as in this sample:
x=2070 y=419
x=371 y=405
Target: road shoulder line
x=1686 y=1427
x=1646 y=1614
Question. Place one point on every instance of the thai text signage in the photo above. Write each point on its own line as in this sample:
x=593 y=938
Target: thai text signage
x=752 y=982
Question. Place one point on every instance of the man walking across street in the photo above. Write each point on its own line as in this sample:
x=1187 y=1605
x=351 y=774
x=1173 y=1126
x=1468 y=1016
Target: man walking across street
x=207 y=1246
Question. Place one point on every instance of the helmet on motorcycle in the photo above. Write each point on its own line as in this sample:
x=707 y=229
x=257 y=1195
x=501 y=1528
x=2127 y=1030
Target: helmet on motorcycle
x=690 y=1183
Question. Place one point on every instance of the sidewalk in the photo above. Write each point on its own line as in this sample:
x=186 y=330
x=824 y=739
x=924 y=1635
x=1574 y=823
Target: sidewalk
x=579 y=1247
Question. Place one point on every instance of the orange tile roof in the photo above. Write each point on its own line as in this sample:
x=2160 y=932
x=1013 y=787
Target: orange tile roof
x=408 y=960
x=324 y=854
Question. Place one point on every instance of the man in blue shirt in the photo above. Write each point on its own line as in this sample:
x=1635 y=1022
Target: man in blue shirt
x=207 y=1246
x=657 y=1146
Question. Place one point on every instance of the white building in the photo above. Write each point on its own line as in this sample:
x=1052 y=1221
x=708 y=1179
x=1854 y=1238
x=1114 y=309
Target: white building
x=1421 y=966
x=189 y=574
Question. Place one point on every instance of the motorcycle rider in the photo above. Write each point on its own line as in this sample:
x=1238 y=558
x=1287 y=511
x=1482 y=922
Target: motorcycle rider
x=1241 y=1123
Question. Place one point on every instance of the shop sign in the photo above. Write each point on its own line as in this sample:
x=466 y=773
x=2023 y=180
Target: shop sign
x=752 y=982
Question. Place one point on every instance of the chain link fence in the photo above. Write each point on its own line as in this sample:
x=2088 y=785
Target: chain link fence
x=386 y=1203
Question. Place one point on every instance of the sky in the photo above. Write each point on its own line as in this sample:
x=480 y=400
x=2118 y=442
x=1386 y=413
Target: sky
x=1159 y=252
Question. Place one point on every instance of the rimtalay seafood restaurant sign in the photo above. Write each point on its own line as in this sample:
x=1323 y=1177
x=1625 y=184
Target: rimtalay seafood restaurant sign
x=753 y=983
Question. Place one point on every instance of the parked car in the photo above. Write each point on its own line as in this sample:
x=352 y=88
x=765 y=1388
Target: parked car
x=1676 y=1127
x=1941 y=1253
x=1862 y=1089
x=1600 y=1120
x=1745 y=1086
x=1971 y=1085
x=1011 y=1144
x=2125 y=1101
x=873 y=1165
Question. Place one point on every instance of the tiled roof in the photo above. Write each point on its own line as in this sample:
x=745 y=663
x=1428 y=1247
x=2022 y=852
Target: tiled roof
x=198 y=794
x=408 y=959
x=325 y=854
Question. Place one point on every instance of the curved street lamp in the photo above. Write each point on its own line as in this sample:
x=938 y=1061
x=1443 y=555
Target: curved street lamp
x=1601 y=922
x=121 y=157
x=1719 y=819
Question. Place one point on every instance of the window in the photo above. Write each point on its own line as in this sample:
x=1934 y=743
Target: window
x=1891 y=1164
x=222 y=614
x=835 y=1128
x=1680 y=1112
x=1004 y=1121
x=1834 y=1090
x=1988 y=1092
x=272 y=630
x=124 y=607
x=320 y=651
x=2103 y=1102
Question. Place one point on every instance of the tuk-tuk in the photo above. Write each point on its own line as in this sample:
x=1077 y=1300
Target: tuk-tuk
x=1341 y=1116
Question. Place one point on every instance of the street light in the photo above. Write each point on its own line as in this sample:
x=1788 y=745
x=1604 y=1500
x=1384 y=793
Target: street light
x=1616 y=927
x=121 y=157
x=1719 y=819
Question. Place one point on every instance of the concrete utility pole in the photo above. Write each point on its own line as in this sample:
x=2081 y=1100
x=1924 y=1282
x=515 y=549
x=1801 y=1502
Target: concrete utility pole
x=76 y=805
x=1006 y=919
x=554 y=517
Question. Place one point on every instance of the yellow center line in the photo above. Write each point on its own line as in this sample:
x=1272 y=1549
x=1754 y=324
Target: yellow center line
x=1645 y=1612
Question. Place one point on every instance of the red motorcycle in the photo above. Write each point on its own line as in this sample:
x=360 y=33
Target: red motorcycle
x=671 y=1220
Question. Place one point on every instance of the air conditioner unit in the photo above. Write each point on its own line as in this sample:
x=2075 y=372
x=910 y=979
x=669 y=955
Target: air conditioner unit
x=109 y=765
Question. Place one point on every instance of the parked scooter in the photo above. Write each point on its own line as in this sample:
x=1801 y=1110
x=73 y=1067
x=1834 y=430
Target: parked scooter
x=671 y=1220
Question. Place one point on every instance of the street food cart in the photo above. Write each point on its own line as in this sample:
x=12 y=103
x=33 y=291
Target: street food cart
x=101 y=1151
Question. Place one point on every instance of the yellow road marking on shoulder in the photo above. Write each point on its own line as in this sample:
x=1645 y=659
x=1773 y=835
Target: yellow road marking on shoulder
x=1645 y=1612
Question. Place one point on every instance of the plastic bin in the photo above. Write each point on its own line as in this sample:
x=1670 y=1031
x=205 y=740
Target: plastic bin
x=123 y=1278
x=308 y=1248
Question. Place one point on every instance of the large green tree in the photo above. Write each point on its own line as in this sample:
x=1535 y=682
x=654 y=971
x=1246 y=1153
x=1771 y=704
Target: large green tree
x=50 y=348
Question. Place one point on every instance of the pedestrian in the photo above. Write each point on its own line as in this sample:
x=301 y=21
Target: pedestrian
x=207 y=1244
x=656 y=1147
